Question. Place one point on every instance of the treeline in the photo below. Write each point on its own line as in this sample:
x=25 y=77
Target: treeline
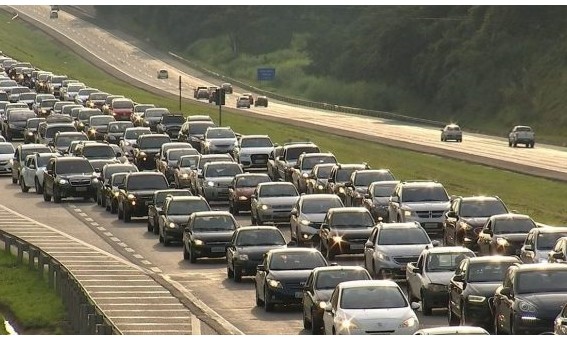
x=484 y=66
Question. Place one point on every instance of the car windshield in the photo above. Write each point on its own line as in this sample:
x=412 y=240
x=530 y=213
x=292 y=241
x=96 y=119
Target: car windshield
x=161 y=196
x=119 y=127
x=353 y=219
x=26 y=152
x=372 y=298
x=487 y=271
x=143 y=107
x=221 y=223
x=102 y=120
x=98 y=151
x=27 y=96
x=154 y=182
x=6 y=149
x=546 y=241
x=293 y=153
x=251 y=181
x=199 y=128
x=74 y=88
x=79 y=166
x=297 y=261
x=320 y=206
x=155 y=142
x=329 y=279
x=445 y=262
x=323 y=172
x=541 y=281
x=189 y=161
x=187 y=208
x=174 y=155
x=21 y=116
x=260 y=237
x=122 y=104
x=155 y=113
x=86 y=92
x=98 y=96
x=133 y=134
x=204 y=160
x=173 y=120
x=513 y=226
x=85 y=115
x=384 y=190
x=424 y=194
x=524 y=129
x=8 y=83
x=309 y=162
x=482 y=208
x=52 y=130
x=65 y=141
x=42 y=161
x=109 y=171
x=343 y=175
x=256 y=143
x=220 y=133
x=223 y=170
x=278 y=190
x=118 y=179
x=453 y=128
x=393 y=236
x=365 y=178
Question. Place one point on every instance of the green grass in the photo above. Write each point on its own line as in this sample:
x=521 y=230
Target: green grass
x=36 y=307
x=542 y=199
x=3 y=330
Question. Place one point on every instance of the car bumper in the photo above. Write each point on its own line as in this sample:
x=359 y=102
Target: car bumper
x=148 y=164
x=211 y=250
x=532 y=325
x=284 y=295
x=78 y=191
x=478 y=315
x=392 y=271
x=6 y=168
x=247 y=268
x=347 y=247
x=173 y=234
x=274 y=216
x=437 y=299
x=139 y=209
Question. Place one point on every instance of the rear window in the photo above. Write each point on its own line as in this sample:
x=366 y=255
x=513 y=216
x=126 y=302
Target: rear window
x=79 y=166
x=173 y=120
x=122 y=104
x=21 y=116
x=157 y=182
x=51 y=131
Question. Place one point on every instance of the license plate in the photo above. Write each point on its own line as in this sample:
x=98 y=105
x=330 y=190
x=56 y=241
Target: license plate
x=356 y=246
x=298 y=295
x=81 y=189
x=217 y=249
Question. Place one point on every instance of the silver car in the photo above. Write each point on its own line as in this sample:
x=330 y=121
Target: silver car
x=216 y=178
x=33 y=170
x=253 y=151
x=451 y=132
x=6 y=154
x=130 y=138
x=272 y=202
x=218 y=140
x=540 y=242
x=308 y=214
x=391 y=246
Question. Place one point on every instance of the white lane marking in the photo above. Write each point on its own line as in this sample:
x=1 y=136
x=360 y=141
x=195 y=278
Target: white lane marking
x=101 y=228
x=94 y=224
x=130 y=250
x=108 y=233
x=77 y=210
x=72 y=206
x=195 y=325
x=156 y=269
x=146 y=262
x=115 y=239
x=83 y=214
x=122 y=244
x=138 y=256
x=88 y=219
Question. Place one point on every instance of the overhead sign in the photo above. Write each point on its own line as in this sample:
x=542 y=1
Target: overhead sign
x=266 y=74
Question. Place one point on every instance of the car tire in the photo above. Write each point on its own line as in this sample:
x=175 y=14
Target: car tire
x=113 y=207
x=509 y=143
x=98 y=199
x=306 y=322
x=259 y=302
x=515 y=144
x=252 y=219
x=268 y=306
x=532 y=145
x=46 y=197
x=151 y=228
x=425 y=307
x=330 y=254
x=108 y=205
x=229 y=272
x=102 y=200
x=192 y=256
x=56 y=195
x=127 y=215
x=462 y=318
x=316 y=325
x=460 y=140
x=160 y=238
x=120 y=212
x=14 y=180
x=452 y=319
x=185 y=252
x=237 y=273
x=411 y=298
x=23 y=185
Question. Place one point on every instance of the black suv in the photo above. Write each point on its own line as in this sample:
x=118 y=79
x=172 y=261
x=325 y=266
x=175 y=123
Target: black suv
x=68 y=177
x=170 y=125
x=146 y=148
x=137 y=193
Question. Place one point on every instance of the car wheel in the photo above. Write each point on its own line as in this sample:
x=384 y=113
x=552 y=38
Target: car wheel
x=252 y=219
x=127 y=215
x=113 y=207
x=46 y=197
x=56 y=195
x=411 y=298
x=98 y=199
x=425 y=307
x=38 y=188
x=23 y=185
x=268 y=306
x=330 y=253
x=259 y=301
x=306 y=322
x=452 y=319
x=108 y=205
x=316 y=325
x=463 y=320
x=120 y=212
x=442 y=139
x=532 y=145
x=510 y=143
x=495 y=325
x=192 y=256
x=14 y=180
x=515 y=144
x=150 y=227
x=160 y=238
x=237 y=272
x=185 y=252
x=102 y=200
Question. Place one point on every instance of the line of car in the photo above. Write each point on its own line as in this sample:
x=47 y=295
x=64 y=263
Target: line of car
x=137 y=160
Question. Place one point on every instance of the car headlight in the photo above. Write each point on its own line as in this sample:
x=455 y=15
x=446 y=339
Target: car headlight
x=147 y=121
x=306 y=236
x=320 y=187
x=131 y=197
x=243 y=198
x=172 y=225
x=30 y=133
x=407 y=213
x=433 y=287
x=341 y=190
x=207 y=143
x=264 y=207
x=198 y=242
x=243 y=257
x=305 y=222
x=322 y=304
x=116 y=194
x=466 y=226
x=235 y=143
x=476 y=299
x=95 y=180
x=501 y=241
x=526 y=307
x=211 y=183
x=348 y=324
x=305 y=175
x=63 y=181
x=127 y=143
x=81 y=124
x=382 y=256
x=409 y=323
x=11 y=161
x=337 y=239
x=274 y=283
x=184 y=176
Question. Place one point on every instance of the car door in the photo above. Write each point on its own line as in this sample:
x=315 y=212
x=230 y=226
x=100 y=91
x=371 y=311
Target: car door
x=230 y=250
x=325 y=230
x=485 y=238
x=49 y=177
x=527 y=253
x=369 y=250
x=414 y=280
x=329 y=315
x=308 y=296
x=456 y=287
x=293 y=220
x=394 y=204
x=502 y=303
x=28 y=172
x=261 y=276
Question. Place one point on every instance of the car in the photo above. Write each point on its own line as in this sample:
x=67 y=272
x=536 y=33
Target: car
x=316 y=182
x=130 y=138
x=41 y=83
x=560 y=324
x=54 y=82
x=155 y=207
x=428 y=278
x=425 y=202
x=207 y=234
x=6 y=154
x=318 y=289
x=185 y=165
x=283 y=160
x=250 y=97
x=68 y=177
x=53 y=15
x=168 y=146
x=252 y=151
x=391 y=246
x=67 y=109
x=48 y=132
x=359 y=181
x=139 y=109
x=247 y=247
x=559 y=252
x=62 y=140
x=96 y=100
x=115 y=132
x=199 y=118
x=121 y=108
x=15 y=92
x=340 y=177
x=170 y=160
x=113 y=190
x=227 y=87
x=521 y=134
x=83 y=95
x=83 y=118
x=107 y=107
x=345 y=231
x=16 y=123
x=377 y=197
x=504 y=234
x=452 y=330
x=151 y=117
x=58 y=106
x=146 y=148
x=193 y=131
x=102 y=187
x=272 y=202
x=283 y=273
x=261 y=101
x=369 y=307
x=27 y=98
x=162 y=74
x=22 y=151
x=539 y=242
x=96 y=152
x=170 y=125
x=98 y=126
x=218 y=140
x=216 y=179
x=201 y=92
x=530 y=298
x=466 y=217
x=71 y=91
x=175 y=217
x=472 y=287
x=137 y=192
x=451 y=132
x=33 y=171
x=241 y=189
x=243 y=101
x=307 y=216
x=304 y=165
x=202 y=161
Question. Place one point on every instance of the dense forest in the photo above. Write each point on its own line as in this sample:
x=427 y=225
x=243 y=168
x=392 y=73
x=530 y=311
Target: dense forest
x=486 y=67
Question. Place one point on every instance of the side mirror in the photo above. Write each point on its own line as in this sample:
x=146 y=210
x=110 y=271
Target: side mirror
x=277 y=158
x=252 y=196
x=506 y=291
x=157 y=155
x=416 y=270
x=415 y=305
x=369 y=245
x=50 y=172
x=528 y=247
x=292 y=243
x=488 y=232
x=329 y=308
x=119 y=154
x=97 y=169
x=452 y=214
x=260 y=268
x=135 y=145
x=348 y=184
x=367 y=196
x=435 y=243
x=458 y=278
x=121 y=186
x=558 y=256
x=187 y=229
x=294 y=212
x=172 y=185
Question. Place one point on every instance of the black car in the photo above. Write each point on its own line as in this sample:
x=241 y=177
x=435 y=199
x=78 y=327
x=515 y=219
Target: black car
x=345 y=231
x=16 y=123
x=530 y=298
x=472 y=286
x=318 y=289
x=207 y=234
x=185 y=165
x=102 y=186
x=98 y=126
x=146 y=148
x=68 y=177
x=359 y=182
x=283 y=274
x=151 y=117
x=504 y=234
x=377 y=198
x=194 y=131
x=115 y=131
x=176 y=212
x=137 y=192
x=30 y=130
x=247 y=248
x=155 y=208
x=97 y=153
x=169 y=162
x=170 y=125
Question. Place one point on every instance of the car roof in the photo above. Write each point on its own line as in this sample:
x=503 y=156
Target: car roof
x=293 y=250
x=479 y=198
x=405 y=225
x=33 y=146
x=187 y=198
x=426 y=183
x=384 y=183
x=248 y=174
x=318 y=196
x=550 y=230
x=258 y=227
x=527 y=267
x=276 y=184
x=351 y=165
x=494 y=258
x=212 y=213
x=318 y=154
x=453 y=330
x=149 y=174
x=443 y=250
x=366 y=171
x=509 y=216
x=70 y=159
x=347 y=210
x=337 y=268
x=254 y=136
x=367 y=283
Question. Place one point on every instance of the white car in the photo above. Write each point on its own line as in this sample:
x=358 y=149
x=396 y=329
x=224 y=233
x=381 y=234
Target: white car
x=6 y=154
x=33 y=170
x=243 y=101
x=253 y=151
x=376 y=307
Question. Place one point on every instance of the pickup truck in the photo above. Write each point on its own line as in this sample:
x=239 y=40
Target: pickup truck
x=521 y=134
x=290 y=153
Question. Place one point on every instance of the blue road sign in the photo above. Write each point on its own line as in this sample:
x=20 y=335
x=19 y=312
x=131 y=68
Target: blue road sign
x=266 y=74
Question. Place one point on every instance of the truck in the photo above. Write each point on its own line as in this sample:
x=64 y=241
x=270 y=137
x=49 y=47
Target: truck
x=521 y=134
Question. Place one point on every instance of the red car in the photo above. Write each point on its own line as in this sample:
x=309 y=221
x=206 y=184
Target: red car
x=122 y=108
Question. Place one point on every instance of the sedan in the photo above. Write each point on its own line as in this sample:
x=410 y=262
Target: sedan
x=207 y=234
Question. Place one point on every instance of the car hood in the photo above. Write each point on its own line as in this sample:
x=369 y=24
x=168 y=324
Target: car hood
x=76 y=176
x=180 y=219
x=100 y=128
x=361 y=189
x=396 y=315
x=256 y=150
x=427 y=205
x=547 y=304
x=219 y=180
x=290 y=275
x=147 y=192
x=486 y=289
x=318 y=218
x=172 y=125
x=381 y=200
x=221 y=141
x=352 y=233
x=150 y=151
x=441 y=278
x=475 y=221
x=257 y=252
x=323 y=294
x=121 y=110
x=278 y=200
x=244 y=191
x=6 y=156
x=212 y=236
x=402 y=249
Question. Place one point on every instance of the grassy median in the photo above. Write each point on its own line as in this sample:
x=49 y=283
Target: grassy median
x=542 y=199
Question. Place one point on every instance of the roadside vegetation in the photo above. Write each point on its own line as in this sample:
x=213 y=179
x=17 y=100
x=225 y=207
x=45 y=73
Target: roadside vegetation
x=542 y=199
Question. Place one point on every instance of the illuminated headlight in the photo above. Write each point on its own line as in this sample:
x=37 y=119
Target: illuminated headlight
x=306 y=236
x=147 y=121
x=211 y=183
x=81 y=124
x=95 y=180
x=264 y=207
x=127 y=143
x=501 y=241
x=91 y=104
x=63 y=181
x=542 y=261
x=43 y=111
x=466 y=226
x=341 y=190
x=144 y=159
x=409 y=323
x=116 y=194
x=235 y=143
x=337 y=239
x=476 y=299
x=305 y=222
x=243 y=257
x=93 y=130
x=358 y=195
x=382 y=256
x=30 y=133
x=407 y=213
x=184 y=176
x=305 y=175
x=436 y=287
x=207 y=143
x=348 y=324
x=198 y=242
x=243 y=198
x=322 y=304
x=527 y=307
x=274 y=283
x=172 y=225
x=11 y=161
x=320 y=187
x=131 y=197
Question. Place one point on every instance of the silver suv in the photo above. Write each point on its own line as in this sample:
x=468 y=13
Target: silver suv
x=425 y=202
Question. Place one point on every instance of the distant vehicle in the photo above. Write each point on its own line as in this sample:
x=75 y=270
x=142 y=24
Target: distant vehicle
x=53 y=15
x=162 y=74
x=243 y=101
x=261 y=101
x=521 y=134
x=227 y=87
x=451 y=132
